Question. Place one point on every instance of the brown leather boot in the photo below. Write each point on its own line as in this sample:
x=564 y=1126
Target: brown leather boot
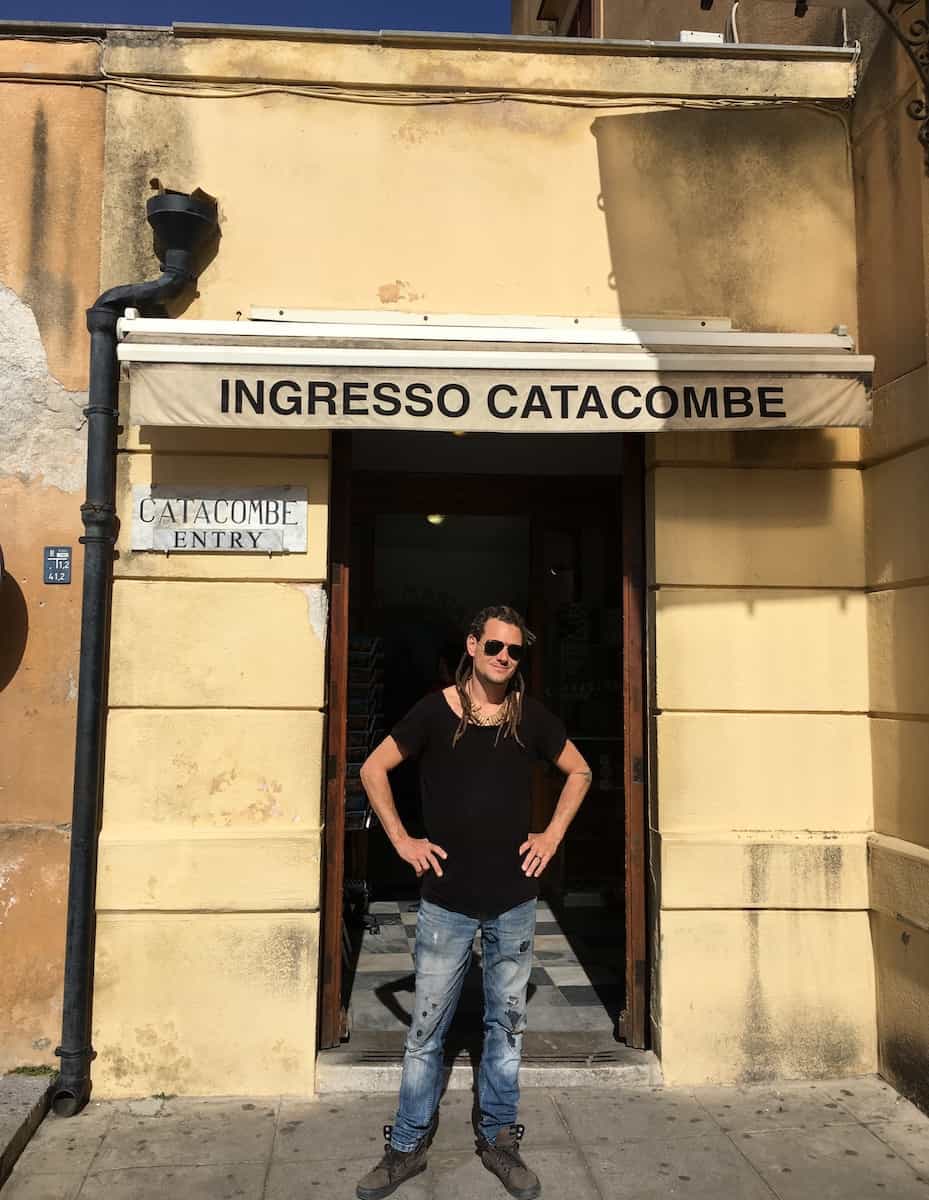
x=395 y=1168
x=502 y=1157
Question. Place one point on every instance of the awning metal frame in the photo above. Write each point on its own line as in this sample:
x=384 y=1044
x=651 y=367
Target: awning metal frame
x=365 y=339
x=467 y=341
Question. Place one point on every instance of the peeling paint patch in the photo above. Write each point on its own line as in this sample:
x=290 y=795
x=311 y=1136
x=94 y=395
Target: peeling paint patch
x=397 y=290
x=317 y=603
x=42 y=421
x=8 y=895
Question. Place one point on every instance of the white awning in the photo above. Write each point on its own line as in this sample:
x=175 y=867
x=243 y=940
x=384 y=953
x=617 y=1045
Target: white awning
x=470 y=374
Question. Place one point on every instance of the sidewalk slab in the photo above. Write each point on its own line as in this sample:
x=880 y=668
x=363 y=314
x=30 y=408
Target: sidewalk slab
x=835 y=1162
x=66 y=1146
x=870 y=1098
x=792 y=1141
x=636 y=1115
x=24 y=1100
x=756 y=1108
x=244 y=1181
x=190 y=1133
x=332 y=1180
x=58 y=1185
x=908 y=1139
x=563 y=1173
x=702 y=1167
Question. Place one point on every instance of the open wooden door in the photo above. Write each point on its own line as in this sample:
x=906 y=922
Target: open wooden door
x=568 y=517
x=633 y=1022
x=331 y=1012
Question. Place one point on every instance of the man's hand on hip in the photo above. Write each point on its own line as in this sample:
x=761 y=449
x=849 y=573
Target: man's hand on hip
x=539 y=849
x=421 y=854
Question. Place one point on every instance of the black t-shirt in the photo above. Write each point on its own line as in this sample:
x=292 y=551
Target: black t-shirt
x=476 y=801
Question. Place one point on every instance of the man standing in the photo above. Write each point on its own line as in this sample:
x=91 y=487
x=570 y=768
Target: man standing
x=476 y=742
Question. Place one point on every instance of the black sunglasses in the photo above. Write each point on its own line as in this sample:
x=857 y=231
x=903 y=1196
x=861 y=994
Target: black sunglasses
x=514 y=649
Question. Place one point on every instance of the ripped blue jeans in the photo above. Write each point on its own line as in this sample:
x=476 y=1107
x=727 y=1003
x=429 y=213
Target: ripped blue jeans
x=443 y=954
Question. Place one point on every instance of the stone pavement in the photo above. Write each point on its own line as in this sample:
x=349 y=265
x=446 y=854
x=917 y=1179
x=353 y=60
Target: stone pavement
x=837 y=1140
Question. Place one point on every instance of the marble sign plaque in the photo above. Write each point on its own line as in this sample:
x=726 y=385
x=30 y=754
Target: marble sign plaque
x=209 y=520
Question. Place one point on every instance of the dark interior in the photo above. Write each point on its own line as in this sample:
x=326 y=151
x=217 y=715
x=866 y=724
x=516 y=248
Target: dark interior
x=430 y=547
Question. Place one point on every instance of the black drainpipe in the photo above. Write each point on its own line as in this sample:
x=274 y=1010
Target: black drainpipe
x=183 y=226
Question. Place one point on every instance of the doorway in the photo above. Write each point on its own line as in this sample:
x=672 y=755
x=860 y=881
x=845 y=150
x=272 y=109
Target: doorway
x=433 y=528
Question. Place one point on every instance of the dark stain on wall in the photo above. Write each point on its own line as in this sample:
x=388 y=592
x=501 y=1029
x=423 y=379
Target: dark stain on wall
x=758 y=871
x=39 y=200
x=760 y=1060
x=50 y=295
x=832 y=873
x=804 y=1047
x=904 y=1062
x=149 y=144
x=821 y=1049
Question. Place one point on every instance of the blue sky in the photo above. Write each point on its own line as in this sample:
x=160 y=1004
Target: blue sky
x=471 y=16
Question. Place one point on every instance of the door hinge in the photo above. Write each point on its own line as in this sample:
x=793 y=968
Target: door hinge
x=638 y=769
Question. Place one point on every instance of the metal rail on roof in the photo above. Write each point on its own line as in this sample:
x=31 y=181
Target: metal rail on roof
x=528 y=43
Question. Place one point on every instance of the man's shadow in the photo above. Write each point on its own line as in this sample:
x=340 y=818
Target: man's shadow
x=466 y=1032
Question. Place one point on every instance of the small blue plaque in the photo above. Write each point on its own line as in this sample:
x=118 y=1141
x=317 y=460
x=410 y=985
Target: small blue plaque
x=57 y=564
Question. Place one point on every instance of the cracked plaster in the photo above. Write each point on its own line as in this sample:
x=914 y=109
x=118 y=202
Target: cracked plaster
x=42 y=425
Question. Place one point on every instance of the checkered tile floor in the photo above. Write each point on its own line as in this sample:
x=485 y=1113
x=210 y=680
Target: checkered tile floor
x=576 y=982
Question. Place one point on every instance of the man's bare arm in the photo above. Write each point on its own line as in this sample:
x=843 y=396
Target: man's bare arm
x=539 y=848
x=420 y=853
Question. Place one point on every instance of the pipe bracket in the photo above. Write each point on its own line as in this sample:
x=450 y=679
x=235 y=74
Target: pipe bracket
x=85 y=1052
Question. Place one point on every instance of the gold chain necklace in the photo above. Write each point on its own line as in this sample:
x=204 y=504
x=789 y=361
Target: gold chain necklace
x=476 y=718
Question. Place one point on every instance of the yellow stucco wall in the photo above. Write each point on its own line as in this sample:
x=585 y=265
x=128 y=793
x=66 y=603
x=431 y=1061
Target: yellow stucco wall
x=350 y=188
x=208 y=887
x=764 y=993
x=353 y=198
x=205 y=1003
x=50 y=181
x=762 y=782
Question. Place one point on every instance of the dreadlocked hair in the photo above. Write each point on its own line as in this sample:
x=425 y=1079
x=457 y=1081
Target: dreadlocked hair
x=513 y=701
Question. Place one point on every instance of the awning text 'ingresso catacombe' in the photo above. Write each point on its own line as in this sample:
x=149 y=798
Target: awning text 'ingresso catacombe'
x=560 y=377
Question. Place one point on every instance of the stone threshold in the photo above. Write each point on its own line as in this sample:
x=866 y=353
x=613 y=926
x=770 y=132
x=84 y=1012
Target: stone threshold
x=372 y=1062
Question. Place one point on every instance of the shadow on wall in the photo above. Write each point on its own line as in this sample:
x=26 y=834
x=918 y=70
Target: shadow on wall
x=745 y=214
x=730 y=213
x=14 y=624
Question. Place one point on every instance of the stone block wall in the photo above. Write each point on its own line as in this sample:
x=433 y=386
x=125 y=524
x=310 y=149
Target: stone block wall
x=893 y=208
x=208 y=887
